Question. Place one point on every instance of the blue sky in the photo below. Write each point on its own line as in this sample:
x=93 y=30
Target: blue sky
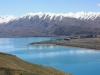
x=21 y=7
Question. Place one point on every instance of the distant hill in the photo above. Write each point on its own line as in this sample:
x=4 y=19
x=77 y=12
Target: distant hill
x=50 y=24
x=11 y=65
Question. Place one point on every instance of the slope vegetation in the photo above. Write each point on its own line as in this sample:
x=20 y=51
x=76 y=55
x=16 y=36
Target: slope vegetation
x=11 y=65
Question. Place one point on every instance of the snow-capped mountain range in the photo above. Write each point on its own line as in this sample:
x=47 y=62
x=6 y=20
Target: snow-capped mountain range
x=51 y=24
x=53 y=16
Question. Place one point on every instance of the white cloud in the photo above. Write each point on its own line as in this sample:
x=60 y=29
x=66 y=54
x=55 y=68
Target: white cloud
x=98 y=4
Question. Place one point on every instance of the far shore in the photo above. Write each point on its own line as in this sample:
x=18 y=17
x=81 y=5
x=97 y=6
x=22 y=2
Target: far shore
x=88 y=43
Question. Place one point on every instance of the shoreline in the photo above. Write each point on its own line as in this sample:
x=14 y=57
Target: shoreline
x=86 y=43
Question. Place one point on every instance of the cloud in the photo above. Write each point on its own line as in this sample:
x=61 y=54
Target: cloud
x=98 y=4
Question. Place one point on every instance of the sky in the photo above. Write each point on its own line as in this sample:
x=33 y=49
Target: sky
x=22 y=7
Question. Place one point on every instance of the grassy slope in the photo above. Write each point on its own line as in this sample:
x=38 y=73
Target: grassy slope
x=11 y=65
x=91 y=43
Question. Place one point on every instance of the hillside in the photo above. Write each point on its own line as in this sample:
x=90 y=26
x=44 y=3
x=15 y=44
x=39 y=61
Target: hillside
x=11 y=65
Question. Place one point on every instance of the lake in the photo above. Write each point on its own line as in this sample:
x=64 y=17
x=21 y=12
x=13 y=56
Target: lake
x=73 y=60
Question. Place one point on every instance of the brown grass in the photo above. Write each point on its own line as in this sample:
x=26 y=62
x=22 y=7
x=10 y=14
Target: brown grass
x=11 y=65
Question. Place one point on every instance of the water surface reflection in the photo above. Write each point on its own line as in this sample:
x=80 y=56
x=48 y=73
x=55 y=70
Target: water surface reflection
x=41 y=46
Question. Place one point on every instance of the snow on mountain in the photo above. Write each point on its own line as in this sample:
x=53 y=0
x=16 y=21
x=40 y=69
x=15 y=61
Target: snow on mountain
x=6 y=19
x=53 y=16
x=78 y=15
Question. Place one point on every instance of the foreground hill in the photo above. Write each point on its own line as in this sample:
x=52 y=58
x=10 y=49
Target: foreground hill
x=11 y=65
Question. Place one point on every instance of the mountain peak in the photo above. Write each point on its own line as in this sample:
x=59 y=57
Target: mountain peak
x=6 y=19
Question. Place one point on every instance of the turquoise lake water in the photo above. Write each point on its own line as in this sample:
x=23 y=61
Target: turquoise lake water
x=76 y=61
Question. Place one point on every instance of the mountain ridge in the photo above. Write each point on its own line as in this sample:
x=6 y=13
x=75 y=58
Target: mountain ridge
x=42 y=24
